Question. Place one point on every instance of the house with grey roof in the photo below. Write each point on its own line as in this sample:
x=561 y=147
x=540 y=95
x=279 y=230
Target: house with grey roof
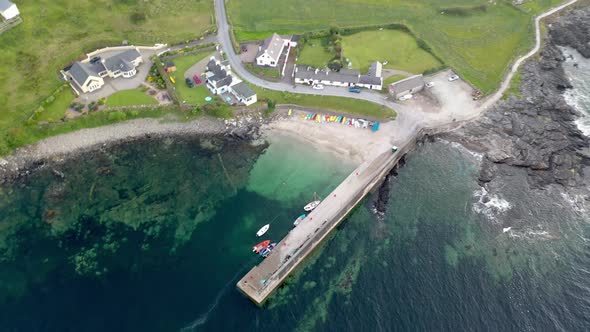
x=220 y=80
x=406 y=86
x=85 y=76
x=372 y=80
x=88 y=75
x=344 y=77
x=271 y=49
x=243 y=93
x=8 y=10
x=218 y=76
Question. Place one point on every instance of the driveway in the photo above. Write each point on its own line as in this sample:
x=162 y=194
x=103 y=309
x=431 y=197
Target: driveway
x=249 y=55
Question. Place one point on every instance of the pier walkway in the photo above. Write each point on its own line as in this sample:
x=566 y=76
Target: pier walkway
x=292 y=250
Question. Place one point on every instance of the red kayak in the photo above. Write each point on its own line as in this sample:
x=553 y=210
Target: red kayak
x=260 y=246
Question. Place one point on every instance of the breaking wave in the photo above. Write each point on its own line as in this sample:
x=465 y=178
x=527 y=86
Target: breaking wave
x=489 y=205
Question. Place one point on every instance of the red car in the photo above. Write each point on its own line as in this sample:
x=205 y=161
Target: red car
x=197 y=79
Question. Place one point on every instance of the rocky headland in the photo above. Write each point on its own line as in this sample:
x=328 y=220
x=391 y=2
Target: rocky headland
x=536 y=132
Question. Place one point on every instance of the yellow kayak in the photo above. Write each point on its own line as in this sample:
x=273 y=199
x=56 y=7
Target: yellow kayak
x=289 y=112
x=172 y=79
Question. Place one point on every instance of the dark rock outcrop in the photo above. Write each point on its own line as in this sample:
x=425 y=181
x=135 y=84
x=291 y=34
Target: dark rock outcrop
x=537 y=132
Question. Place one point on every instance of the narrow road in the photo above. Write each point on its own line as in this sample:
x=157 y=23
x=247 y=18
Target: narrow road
x=507 y=80
x=223 y=37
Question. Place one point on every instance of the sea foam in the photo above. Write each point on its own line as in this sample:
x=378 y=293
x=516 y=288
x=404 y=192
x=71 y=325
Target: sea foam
x=489 y=205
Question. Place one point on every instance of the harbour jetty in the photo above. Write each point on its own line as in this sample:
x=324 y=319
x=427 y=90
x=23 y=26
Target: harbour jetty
x=262 y=280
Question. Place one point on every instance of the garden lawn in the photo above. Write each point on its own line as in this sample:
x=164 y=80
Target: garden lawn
x=198 y=93
x=398 y=48
x=55 y=33
x=57 y=109
x=337 y=104
x=478 y=42
x=314 y=53
x=130 y=98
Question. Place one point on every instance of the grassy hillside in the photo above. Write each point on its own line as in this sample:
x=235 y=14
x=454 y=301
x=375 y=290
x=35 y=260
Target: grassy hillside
x=398 y=48
x=476 y=37
x=56 y=32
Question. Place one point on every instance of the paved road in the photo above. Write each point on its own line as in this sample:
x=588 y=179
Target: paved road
x=507 y=80
x=223 y=37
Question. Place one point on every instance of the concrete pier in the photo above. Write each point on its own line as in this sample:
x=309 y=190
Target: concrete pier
x=260 y=282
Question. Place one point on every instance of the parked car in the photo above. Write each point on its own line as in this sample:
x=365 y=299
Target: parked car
x=189 y=83
x=197 y=79
x=95 y=59
x=429 y=84
x=453 y=78
x=354 y=89
x=406 y=97
x=317 y=87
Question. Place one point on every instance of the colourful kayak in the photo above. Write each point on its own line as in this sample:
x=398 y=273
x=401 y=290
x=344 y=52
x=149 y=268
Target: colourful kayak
x=257 y=248
x=301 y=217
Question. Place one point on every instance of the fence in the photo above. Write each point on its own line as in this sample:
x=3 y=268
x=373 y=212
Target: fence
x=7 y=25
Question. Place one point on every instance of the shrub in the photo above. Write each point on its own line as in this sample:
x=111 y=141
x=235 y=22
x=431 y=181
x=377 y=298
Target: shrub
x=102 y=101
x=116 y=116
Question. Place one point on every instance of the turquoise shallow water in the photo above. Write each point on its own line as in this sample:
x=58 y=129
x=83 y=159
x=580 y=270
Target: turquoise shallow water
x=153 y=236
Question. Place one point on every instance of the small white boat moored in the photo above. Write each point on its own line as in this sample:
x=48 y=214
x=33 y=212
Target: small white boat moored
x=313 y=204
x=263 y=230
x=301 y=217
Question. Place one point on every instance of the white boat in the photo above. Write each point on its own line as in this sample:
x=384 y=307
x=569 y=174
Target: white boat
x=263 y=230
x=313 y=204
x=301 y=217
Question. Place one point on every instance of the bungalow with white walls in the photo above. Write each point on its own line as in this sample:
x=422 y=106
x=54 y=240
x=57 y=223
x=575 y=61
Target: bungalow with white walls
x=271 y=49
x=220 y=80
x=344 y=77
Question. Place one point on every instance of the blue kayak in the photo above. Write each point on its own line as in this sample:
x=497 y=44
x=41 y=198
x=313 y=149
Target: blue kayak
x=376 y=126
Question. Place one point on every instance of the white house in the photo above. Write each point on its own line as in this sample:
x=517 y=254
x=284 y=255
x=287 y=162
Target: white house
x=345 y=77
x=8 y=10
x=220 y=80
x=218 y=76
x=271 y=49
x=87 y=76
x=243 y=93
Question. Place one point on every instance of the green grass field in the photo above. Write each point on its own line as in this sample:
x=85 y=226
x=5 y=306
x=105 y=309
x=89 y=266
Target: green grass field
x=478 y=42
x=337 y=104
x=314 y=53
x=198 y=93
x=129 y=98
x=396 y=47
x=57 y=109
x=55 y=33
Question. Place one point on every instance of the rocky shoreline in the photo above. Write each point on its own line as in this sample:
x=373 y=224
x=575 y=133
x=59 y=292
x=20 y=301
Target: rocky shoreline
x=55 y=150
x=536 y=133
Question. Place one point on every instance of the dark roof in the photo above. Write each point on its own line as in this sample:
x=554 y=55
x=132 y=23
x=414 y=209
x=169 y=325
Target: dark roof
x=242 y=89
x=369 y=79
x=407 y=83
x=273 y=46
x=344 y=75
x=5 y=4
x=220 y=77
x=375 y=69
x=122 y=61
x=81 y=71
x=170 y=64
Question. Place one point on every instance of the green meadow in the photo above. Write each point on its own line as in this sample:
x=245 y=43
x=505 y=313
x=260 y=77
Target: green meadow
x=477 y=38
